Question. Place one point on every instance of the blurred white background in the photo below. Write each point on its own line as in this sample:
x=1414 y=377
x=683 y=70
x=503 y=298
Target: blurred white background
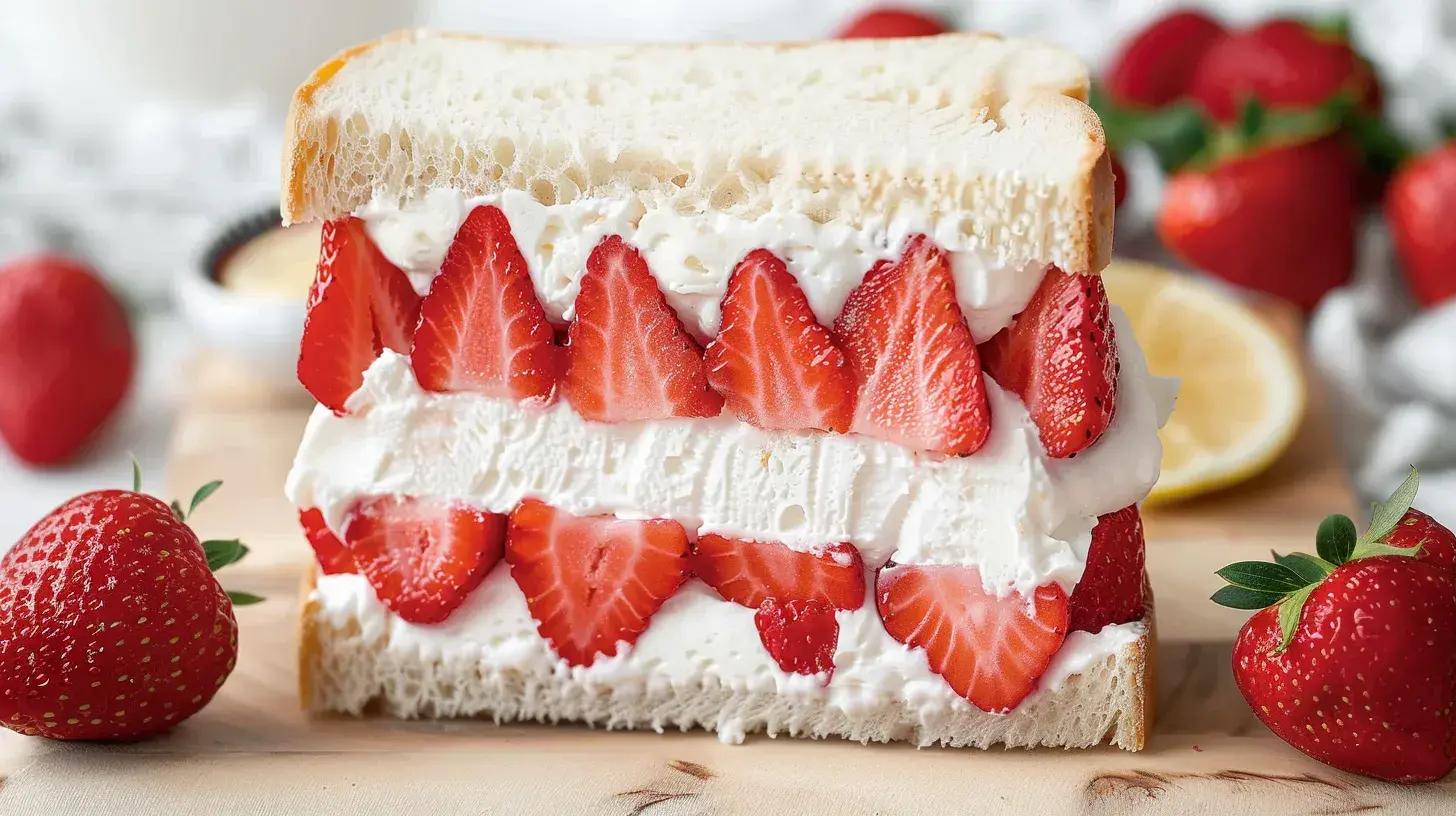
x=131 y=131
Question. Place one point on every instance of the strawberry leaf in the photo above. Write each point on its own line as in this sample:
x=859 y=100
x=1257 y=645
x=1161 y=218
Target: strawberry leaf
x=1240 y=598
x=1447 y=128
x=1262 y=576
x=136 y=475
x=201 y=495
x=1285 y=125
x=1385 y=515
x=1374 y=548
x=1336 y=539
x=178 y=511
x=1381 y=149
x=1310 y=570
x=1251 y=119
x=1331 y=26
x=1261 y=128
x=244 y=598
x=1175 y=133
x=1289 y=613
x=222 y=553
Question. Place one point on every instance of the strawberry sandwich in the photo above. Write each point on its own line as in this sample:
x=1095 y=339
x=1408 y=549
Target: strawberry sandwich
x=754 y=388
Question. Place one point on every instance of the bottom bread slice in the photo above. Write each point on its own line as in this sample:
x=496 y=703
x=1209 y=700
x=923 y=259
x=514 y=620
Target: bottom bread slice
x=343 y=669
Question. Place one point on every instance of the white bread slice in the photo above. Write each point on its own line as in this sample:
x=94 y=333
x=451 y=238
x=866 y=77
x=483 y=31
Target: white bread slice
x=341 y=669
x=986 y=130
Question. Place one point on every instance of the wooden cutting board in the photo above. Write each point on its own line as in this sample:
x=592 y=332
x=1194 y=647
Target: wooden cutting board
x=253 y=751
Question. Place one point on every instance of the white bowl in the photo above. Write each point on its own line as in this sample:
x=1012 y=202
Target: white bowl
x=259 y=332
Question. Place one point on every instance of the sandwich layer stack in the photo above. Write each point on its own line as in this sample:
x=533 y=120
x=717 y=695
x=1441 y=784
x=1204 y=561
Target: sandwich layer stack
x=744 y=387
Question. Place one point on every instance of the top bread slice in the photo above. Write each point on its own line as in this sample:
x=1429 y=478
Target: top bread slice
x=986 y=136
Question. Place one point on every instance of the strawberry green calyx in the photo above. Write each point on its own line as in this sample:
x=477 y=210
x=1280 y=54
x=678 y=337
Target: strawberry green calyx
x=220 y=553
x=1289 y=580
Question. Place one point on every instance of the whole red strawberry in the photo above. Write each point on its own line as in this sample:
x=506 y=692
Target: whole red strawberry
x=1420 y=206
x=112 y=626
x=891 y=22
x=1281 y=63
x=1352 y=656
x=1156 y=65
x=66 y=357
x=1278 y=219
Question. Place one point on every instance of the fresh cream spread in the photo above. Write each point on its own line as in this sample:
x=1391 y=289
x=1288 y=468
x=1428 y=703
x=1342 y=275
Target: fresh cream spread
x=1021 y=518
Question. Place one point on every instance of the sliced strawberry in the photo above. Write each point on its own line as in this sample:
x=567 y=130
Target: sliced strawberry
x=775 y=366
x=481 y=327
x=359 y=304
x=629 y=357
x=918 y=374
x=1111 y=589
x=423 y=556
x=339 y=340
x=751 y=572
x=393 y=300
x=593 y=582
x=333 y=557
x=991 y=650
x=799 y=635
x=1060 y=356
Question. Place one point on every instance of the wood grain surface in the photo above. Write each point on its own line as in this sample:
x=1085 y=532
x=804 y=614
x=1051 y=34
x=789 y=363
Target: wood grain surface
x=253 y=751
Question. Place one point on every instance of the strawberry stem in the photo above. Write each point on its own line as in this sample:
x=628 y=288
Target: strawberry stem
x=1289 y=581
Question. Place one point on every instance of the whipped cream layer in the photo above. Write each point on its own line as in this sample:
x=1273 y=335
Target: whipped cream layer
x=695 y=636
x=692 y=255
x=1018 y=516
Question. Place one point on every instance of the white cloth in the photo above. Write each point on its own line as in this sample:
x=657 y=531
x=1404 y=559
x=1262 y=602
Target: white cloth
x=1390 y=374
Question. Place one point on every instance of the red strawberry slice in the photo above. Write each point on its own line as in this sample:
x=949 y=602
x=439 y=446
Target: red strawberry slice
x=423 y=556
x=393 y=300
x=629 y=357
x=481 y=327
x=800 y=635
x=913 y=357
x=359 y=304
x=1111 y=589
x=592 y=582
x=751 y=572
x=991 y=650
x=339 y=340
x=333 y=556
x=1060 y=356
x=775 y=366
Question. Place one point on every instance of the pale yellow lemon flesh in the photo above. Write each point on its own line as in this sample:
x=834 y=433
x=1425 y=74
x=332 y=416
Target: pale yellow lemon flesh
x=1241 y=392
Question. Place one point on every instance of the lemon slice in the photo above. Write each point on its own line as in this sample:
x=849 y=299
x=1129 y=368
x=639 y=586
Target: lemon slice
x=1241 y=392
